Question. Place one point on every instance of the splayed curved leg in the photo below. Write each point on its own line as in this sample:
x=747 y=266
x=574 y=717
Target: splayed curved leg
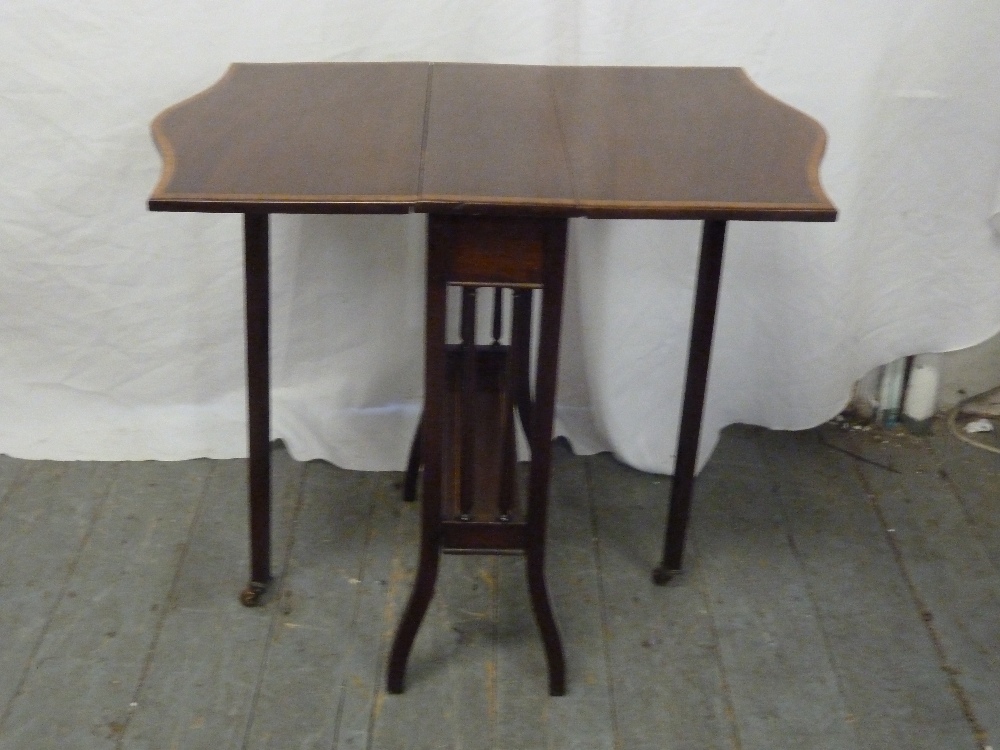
x=416 y=608
x=542 y=608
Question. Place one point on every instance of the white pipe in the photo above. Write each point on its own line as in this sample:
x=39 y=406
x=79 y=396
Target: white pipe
x=920 y=402
x=891 y=392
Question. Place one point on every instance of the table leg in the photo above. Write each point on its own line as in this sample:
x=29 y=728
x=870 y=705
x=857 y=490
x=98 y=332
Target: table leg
x=521 y=344
x=702 y=327
x=542 y=416
x=256 y=263
x=413 y=464
x=429 y=445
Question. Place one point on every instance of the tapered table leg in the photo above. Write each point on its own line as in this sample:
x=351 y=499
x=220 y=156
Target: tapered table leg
x=256 y=266
x=702 y=328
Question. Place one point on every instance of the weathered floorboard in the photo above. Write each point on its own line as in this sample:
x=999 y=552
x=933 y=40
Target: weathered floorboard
x=203 y=671
x=883 y=656
x=47 y=514
x=584 y=718
x=392 y=533
x=521 y=676
x=315 y=612
x=949 y=571
x=826 y=602
x=775 y=659
x=90 y=662
x=666 y=679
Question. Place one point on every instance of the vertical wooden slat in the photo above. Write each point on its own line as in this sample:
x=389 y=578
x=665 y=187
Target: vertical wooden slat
x=467 y=460
x=497 y=314
x=508 y=459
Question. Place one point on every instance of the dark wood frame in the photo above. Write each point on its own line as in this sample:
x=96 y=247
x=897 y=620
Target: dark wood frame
x=540 y=145
x=487 y=520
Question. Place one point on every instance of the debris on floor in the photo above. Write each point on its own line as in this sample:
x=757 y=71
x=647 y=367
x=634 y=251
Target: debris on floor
x=979 y=425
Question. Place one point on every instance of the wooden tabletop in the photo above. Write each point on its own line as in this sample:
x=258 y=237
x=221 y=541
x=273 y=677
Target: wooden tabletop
x=603 y=142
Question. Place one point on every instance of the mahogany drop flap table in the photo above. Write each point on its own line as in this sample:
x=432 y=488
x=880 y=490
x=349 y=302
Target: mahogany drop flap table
x=500 y=157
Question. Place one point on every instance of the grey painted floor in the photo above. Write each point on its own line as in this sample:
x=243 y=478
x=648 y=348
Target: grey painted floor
x=828 y=602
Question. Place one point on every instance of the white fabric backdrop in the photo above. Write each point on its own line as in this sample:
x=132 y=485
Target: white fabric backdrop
x=121 y=330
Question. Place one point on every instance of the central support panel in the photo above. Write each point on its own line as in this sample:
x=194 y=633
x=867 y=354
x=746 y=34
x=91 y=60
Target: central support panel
x=476 y=391
x=481 y=510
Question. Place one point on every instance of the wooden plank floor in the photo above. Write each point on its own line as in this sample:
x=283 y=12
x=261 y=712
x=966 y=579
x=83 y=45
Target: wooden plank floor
x=841 y=591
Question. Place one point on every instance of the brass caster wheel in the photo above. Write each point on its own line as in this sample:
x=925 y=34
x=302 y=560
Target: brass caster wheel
x=251 y=596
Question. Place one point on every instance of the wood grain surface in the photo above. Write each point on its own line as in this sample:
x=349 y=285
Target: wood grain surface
x=828 y=603
x=287 y=133
x=607 y=142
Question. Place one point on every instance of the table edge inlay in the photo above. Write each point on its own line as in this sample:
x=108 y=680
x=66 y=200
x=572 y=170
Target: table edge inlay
x=163 y=143
x=819 y=147
x=821 y=209
x=694 y=211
